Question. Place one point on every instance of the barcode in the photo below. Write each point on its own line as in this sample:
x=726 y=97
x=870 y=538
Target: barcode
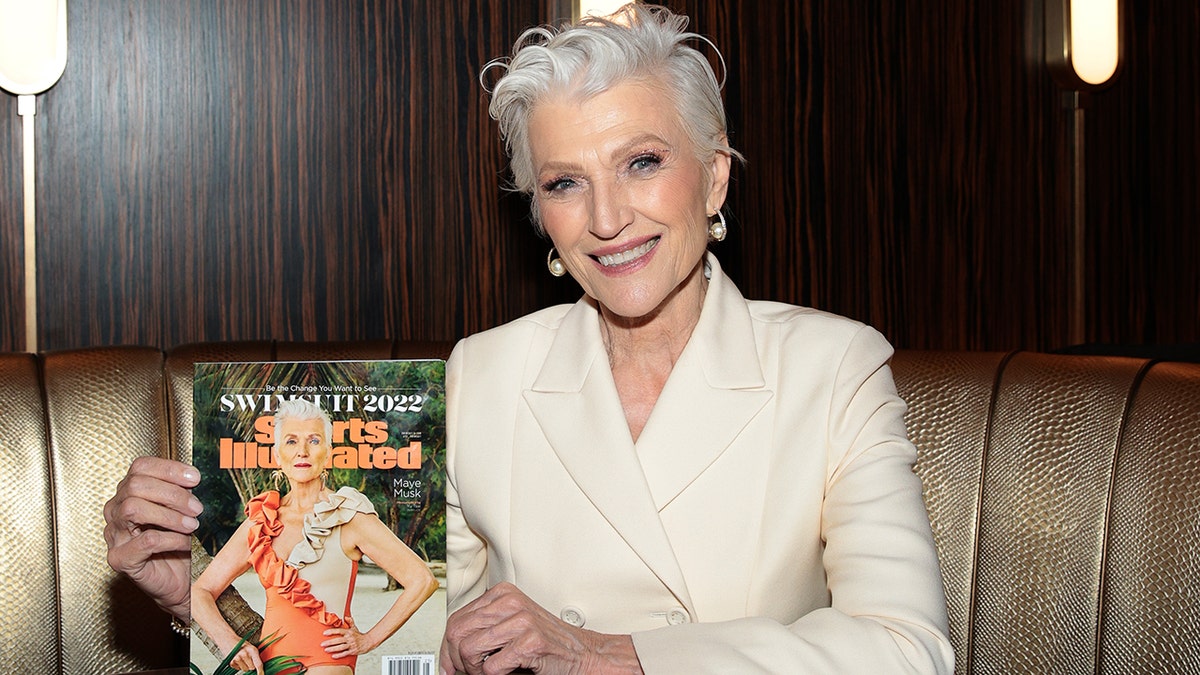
x=408 y=664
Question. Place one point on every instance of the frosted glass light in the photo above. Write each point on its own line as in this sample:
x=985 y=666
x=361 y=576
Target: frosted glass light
x=1094 y=39
x=33 y=44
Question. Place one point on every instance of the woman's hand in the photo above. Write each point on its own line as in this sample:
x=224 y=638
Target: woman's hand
x=503 y=630
x=148 y=524
x=346 y=641
x=248 y=658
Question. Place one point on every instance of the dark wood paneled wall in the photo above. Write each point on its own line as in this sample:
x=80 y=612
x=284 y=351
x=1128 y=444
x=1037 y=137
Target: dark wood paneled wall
x=911 y=166
x=278 y=169
x=300 y=169
x=12 y=227
x=1143 y=205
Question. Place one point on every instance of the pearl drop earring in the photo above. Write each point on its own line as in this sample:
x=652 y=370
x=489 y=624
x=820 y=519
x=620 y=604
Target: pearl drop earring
x=717 y=231
x=555 y=265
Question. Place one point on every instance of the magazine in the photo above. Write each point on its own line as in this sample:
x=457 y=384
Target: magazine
x=355 y=449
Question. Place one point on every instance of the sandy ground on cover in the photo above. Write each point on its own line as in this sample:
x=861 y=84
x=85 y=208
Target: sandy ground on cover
x=422 y=633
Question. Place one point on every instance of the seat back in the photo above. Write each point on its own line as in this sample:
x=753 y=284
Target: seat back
x=1064 y=493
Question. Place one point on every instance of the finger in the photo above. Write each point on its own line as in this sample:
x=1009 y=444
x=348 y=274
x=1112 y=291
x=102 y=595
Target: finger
x=169 y=470
x=481 y=614
x=459 y=627
x=514 y=642
x=446 y=660
x=501 y=662
x=341 y=654
x=130 y=557
x=256 y=661
x=156 y=481
x=524 y=648
x=458 y=658
x=136 y=514
x=242 y=661
x=477 y=650
x=336 y=639
x=481 y=628
x=158 y=491
x=344 y=648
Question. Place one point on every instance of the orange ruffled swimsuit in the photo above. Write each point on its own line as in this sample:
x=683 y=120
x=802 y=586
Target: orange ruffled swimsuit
x=294 y=613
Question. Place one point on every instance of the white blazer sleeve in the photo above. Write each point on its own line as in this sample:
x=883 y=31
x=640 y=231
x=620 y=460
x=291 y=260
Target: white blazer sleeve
x=466 y=554
x=888 y=609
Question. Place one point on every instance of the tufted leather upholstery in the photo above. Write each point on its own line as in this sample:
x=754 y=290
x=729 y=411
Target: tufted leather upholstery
x=1064 y=493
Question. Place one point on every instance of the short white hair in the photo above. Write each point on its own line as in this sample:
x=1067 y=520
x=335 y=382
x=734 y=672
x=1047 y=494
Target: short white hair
x=640 y=43
x=301 y=409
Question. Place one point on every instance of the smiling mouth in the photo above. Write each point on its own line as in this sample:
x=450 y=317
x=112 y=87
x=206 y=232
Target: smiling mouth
x=622 y=257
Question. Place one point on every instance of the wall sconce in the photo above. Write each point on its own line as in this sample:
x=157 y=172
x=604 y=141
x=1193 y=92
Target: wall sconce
x=1083 y=42
x=1083 y=53
x=33 y=55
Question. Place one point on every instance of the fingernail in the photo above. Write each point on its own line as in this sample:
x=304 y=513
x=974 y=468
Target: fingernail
x=191 y=474
x=190 y=523
x=194 y=506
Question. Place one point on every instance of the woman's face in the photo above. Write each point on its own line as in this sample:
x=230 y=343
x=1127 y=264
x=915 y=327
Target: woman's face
x=622 y=194
x=302 y=449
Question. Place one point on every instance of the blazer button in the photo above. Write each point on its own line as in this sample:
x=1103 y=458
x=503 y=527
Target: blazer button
x=677 y=616
x=573 y=615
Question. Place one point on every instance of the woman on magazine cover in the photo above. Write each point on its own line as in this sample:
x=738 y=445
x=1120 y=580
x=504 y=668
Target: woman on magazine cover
x=305 y=547
x=664 y=477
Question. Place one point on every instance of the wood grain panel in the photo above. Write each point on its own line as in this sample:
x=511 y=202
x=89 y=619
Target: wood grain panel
x=1143 y=208
x=308 y=170
x=902 y=164
x=293 y=170
x=12 y=224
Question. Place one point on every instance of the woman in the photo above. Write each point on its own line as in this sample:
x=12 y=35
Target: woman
x=666 y=477
x=322 y=535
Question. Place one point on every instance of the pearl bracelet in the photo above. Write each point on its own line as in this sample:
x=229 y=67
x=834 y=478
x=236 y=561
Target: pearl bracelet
x=180 y=628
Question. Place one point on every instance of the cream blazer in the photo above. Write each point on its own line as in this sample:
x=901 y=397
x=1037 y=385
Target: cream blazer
x=767 y=519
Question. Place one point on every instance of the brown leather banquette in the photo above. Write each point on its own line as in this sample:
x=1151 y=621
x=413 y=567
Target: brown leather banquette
x=1064 y=493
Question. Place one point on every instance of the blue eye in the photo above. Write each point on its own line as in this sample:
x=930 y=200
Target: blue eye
x=645 y=162
x=315 y=440
x=558 y=185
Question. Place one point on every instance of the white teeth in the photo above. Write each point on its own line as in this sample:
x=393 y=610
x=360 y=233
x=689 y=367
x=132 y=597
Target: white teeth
x=625 y=256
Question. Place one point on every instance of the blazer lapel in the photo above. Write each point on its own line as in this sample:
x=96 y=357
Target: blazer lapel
x=715 y=389
x=575 y=402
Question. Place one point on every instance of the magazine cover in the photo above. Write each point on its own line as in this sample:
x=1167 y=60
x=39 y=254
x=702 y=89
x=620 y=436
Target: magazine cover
x=323 y=536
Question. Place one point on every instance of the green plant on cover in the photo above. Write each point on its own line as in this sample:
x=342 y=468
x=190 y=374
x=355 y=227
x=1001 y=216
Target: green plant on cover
x=272 y=666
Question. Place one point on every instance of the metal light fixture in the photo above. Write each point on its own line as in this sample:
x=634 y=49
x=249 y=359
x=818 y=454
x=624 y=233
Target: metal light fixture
x=1083 y=42
x=1083 y=53
x=33 y=55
